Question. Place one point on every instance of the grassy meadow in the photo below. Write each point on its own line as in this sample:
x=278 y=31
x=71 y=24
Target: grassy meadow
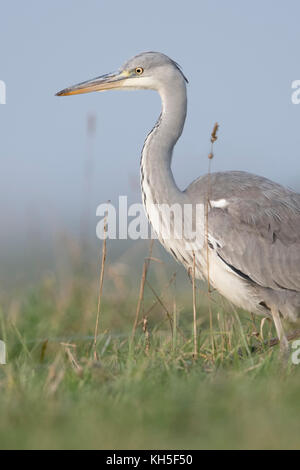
x=143 y=392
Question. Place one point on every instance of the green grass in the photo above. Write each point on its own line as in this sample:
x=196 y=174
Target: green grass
x=57 y=396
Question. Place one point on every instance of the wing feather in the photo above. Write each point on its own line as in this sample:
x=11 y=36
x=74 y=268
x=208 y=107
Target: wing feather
x=258 y=230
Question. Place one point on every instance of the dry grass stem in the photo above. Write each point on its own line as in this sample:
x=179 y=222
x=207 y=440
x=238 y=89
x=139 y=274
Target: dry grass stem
x=147 y=335
x=55 y=376
x=162 y=304
x=156 y=302
x=100 y=287
x=71 y=356
x=207 y=206
x=261 y=330
x=142 y=288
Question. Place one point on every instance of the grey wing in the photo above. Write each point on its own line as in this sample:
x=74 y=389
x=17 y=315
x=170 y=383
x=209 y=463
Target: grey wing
x=257 y=231
x=267 y=255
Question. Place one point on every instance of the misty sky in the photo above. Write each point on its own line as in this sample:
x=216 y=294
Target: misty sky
x=240 y=58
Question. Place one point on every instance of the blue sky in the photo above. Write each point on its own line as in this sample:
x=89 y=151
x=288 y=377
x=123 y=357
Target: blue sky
x=240 y=59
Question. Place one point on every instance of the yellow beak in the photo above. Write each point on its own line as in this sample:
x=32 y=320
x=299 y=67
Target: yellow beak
x=105 y=82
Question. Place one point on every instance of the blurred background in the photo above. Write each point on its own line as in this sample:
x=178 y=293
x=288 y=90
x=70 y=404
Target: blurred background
x=60 y=158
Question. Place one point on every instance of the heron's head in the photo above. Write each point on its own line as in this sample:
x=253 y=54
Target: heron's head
x=149 y=70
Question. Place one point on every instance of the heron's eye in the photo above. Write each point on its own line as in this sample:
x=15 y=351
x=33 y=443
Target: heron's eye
x=139 y=70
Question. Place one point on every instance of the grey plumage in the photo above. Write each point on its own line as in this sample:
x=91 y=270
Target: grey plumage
x=252 y=225
x=258 y=234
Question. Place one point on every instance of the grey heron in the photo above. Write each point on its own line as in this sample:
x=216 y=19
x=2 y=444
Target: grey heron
x=252 y=225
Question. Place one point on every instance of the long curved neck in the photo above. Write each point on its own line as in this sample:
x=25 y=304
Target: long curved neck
x=157 y=181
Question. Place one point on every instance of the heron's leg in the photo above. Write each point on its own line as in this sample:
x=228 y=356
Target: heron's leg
x=284 y=345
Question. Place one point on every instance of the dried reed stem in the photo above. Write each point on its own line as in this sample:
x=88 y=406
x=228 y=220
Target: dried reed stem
x=100 y=287
x=162 y=304
x=73 y=361
x=142 y=288
x=147 y=335
x=210 y=157
x=55 y=376
x=171 y=280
